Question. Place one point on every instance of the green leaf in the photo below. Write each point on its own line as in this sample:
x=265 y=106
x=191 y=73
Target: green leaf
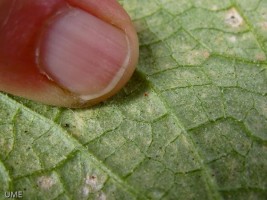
x=191 y=123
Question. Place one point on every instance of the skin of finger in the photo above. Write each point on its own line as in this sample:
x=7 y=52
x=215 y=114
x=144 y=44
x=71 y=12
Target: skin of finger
x=20 y=26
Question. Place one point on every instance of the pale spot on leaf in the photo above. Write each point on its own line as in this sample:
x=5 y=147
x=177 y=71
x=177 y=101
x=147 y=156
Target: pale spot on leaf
x=263 y=25
x=102 y=196
x=193 y=57
x=85 y=191
x=260 y=57
x=198 y=54
x=93 y=182
x=232 y=39
x=233 y=18
x=45 y=182
x=206 y=54
x=214 y=7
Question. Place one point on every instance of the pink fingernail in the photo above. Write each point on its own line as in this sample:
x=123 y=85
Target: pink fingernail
x=84 y=54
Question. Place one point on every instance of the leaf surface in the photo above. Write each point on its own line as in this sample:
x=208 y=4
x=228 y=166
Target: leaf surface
x=191 y=123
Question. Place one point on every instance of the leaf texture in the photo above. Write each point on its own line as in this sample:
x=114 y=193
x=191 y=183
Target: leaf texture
x=191 y=123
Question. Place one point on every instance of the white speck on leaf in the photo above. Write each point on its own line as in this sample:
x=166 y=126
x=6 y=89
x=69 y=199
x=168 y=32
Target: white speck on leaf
x=93 y=182
x=233 y=18
x=214 y=7
x=232 y=39
x=260 y=57
x=206 y=54
x=85 y=191
x=102 y=196
x=45 y=182
x=264 y=26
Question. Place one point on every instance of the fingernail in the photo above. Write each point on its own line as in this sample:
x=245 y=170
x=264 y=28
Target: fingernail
x=84 y=54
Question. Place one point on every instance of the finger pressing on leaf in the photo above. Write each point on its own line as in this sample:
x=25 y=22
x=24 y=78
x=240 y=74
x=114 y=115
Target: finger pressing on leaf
x=70 y=53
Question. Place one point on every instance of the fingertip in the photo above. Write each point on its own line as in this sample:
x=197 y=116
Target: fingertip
x=68 y=68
